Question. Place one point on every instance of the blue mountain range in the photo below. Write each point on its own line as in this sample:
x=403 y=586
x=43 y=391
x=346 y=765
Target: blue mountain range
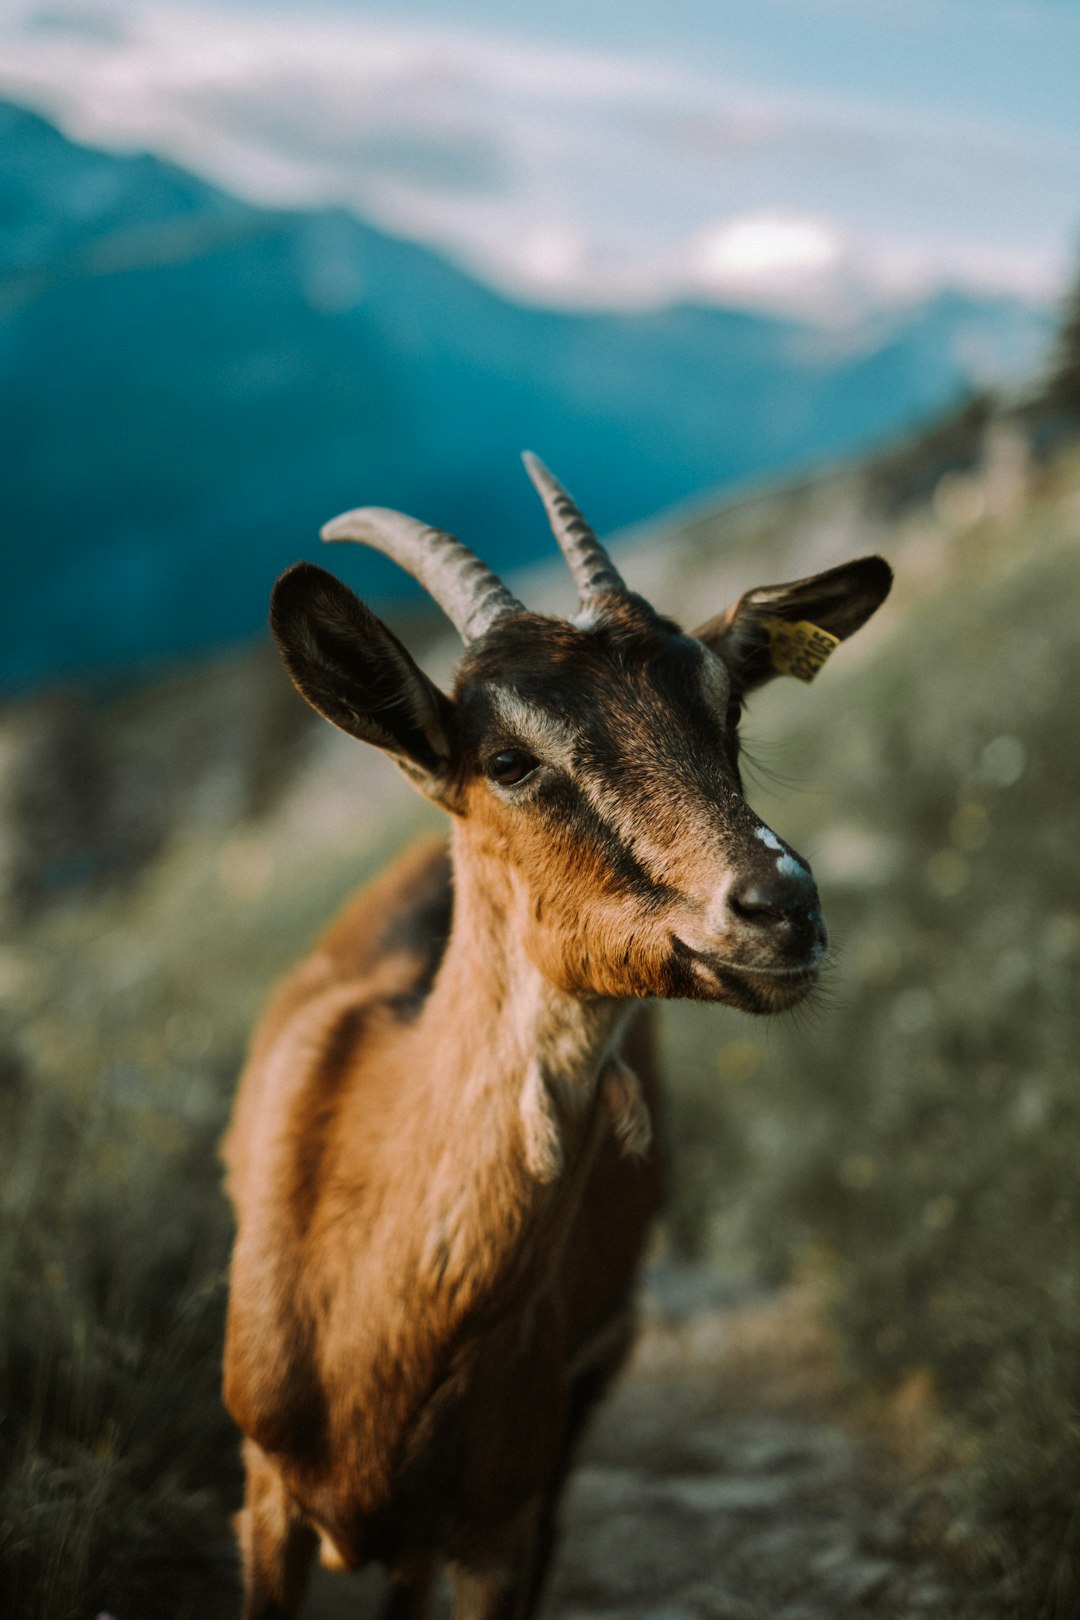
x=190 y=384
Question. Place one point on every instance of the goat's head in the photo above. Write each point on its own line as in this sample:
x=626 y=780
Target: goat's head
x=593 y=764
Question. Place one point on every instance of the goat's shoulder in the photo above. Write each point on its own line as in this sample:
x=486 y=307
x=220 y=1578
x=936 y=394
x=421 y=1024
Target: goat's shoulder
x=325 y=1067
x=370 y=971
x=403 y=911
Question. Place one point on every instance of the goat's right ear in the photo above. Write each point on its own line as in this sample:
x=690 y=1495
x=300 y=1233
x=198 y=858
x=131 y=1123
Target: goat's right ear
x=356 y=673
x=749 y=636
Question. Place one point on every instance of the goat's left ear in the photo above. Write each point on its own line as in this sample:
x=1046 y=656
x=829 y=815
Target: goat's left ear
x=791 y=629
x=355 y=672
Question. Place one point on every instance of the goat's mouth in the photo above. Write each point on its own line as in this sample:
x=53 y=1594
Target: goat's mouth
x=753 y=986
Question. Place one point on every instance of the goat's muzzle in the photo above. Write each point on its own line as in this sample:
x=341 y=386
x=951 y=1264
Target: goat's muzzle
x=765 y=951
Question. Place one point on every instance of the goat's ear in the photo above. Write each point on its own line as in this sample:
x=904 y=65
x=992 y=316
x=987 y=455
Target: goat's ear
x=791 y=629
x=356 y=673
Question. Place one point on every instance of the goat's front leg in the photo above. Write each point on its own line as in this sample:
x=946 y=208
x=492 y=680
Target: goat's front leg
x=277 y=1544
x=408 y=1597
x=511 y=1588
x=486 y=1594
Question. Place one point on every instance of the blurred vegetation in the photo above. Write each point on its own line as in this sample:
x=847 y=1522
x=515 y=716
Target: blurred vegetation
x=916 y=1146
x=1062 y=390
x=911 y=1144
x=131 y=974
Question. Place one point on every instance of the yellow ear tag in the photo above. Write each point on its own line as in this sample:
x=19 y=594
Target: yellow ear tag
x=798 y=649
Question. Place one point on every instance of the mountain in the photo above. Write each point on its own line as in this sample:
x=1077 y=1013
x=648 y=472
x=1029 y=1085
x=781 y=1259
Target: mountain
x=191 y=384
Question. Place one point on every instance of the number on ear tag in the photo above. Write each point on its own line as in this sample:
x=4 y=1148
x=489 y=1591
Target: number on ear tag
x=798 y=649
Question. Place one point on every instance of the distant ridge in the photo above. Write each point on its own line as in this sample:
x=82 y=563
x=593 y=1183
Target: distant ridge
x=190 y=385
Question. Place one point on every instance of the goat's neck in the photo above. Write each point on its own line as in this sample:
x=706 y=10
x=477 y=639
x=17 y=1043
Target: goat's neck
x=525 y=1053
x=514 y=1111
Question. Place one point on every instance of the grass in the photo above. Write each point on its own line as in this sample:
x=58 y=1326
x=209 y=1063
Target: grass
x=116 y=1448
x=912 y=1145
x=124 y=1028
x=917 y=1145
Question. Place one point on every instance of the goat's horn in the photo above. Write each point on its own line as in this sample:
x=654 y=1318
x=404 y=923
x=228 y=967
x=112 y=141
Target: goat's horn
x=594 y=572
x=470 y=595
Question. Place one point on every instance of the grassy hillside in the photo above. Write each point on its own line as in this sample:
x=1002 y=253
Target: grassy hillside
x=911 y=1145
x=126 y=1009
x=914 y=1145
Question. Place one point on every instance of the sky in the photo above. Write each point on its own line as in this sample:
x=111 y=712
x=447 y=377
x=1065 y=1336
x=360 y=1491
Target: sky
x=814 y=156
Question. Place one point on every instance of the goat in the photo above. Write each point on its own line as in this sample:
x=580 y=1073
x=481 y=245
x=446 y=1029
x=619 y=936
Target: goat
x=441 y=1158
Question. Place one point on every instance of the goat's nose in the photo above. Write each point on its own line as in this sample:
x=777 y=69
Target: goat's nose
x=784 y=904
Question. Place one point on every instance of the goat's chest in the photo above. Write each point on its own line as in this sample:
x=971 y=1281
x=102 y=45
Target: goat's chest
x=481 y=1439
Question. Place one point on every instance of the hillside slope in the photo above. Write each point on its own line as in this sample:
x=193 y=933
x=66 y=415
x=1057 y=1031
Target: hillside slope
x=909 y=1154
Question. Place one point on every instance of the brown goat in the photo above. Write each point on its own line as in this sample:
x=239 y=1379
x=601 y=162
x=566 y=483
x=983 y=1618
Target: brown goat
x=441 y=1157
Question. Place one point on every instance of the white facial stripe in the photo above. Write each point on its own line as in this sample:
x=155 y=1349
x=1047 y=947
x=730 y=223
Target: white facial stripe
x=609 y=803
x=653 y=857
x=787 y=864
x=555 y=741
x=550 y=739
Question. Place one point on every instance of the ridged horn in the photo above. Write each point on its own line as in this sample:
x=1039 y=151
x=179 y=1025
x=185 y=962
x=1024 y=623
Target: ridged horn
x=594 y=572
x=471 y=596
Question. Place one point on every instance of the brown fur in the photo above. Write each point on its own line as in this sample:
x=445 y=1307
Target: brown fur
x=447 y=1145
x=438 y=1413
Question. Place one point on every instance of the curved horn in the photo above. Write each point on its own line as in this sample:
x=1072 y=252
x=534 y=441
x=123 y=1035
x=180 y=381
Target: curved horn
x=594 y=572
x=470 y=595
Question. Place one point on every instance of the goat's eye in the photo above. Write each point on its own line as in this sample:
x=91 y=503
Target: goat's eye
x=513 y=765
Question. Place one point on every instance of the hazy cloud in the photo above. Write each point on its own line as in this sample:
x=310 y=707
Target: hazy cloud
x=564 y=174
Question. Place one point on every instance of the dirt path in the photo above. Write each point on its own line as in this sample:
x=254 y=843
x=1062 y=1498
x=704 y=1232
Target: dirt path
x=719 y=1483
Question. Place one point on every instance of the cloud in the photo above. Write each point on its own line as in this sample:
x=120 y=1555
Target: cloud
x=562 y=174
x=754 y=245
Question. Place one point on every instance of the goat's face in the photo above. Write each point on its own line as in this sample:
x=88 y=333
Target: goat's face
x=594 y=771
x=598 y=767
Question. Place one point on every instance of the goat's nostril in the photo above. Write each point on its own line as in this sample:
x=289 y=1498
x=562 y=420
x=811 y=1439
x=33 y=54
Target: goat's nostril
x=789 y=902
x=757 y=905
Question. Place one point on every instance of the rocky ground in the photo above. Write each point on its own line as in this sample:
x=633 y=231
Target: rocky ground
x=725 y=1480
